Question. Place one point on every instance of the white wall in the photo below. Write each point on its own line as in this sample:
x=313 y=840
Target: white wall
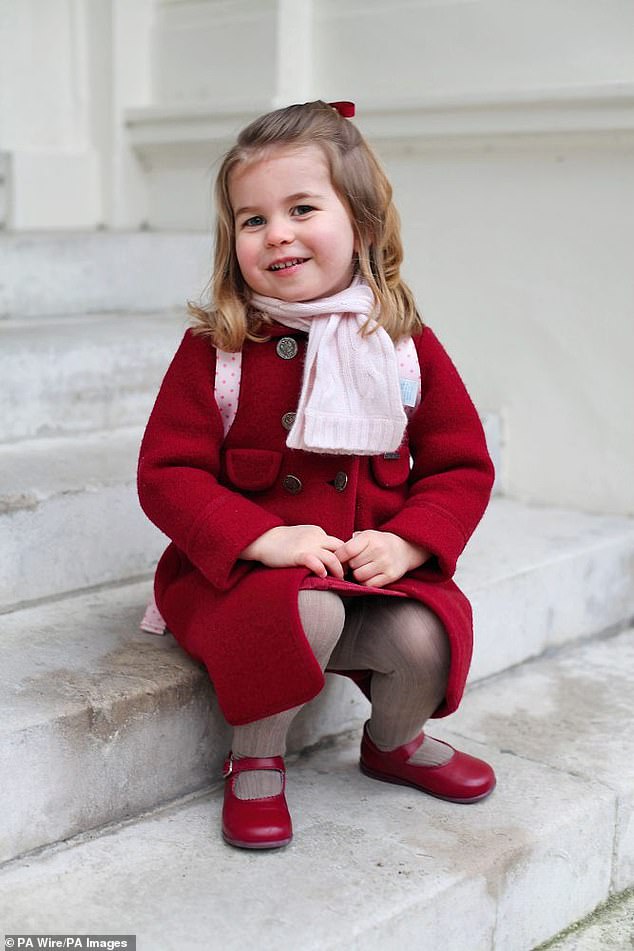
x=378 y=51
x=214 y=51
x=68 y=69
x=523 y=262
x=52 y=168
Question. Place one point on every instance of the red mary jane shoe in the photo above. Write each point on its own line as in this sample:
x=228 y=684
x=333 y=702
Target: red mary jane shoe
x=463 y=778
x=255 y=823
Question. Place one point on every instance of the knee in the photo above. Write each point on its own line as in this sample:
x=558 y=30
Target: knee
x=323 y=615
x=417 y=644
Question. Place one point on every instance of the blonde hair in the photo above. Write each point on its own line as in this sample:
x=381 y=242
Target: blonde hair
x=363 y=188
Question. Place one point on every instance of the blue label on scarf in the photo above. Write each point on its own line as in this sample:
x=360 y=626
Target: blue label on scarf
x=409 y=392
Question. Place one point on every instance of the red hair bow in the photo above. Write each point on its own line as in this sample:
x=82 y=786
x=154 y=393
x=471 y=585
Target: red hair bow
x=345 y=109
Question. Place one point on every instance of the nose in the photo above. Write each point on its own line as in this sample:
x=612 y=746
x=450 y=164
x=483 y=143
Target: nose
x=279 y=230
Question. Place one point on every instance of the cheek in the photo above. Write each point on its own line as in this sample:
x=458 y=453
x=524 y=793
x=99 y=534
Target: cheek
x=244 y=253
x=347 y=246
x=348 y=241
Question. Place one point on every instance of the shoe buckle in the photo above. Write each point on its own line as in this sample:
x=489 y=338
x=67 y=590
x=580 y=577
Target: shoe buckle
x=228 y=768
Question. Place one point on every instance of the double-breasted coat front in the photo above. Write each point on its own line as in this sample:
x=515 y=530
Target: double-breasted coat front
x=214 y=495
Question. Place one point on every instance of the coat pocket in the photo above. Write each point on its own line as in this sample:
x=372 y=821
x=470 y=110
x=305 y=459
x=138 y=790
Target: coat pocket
x=391 y=469
x=252 y=469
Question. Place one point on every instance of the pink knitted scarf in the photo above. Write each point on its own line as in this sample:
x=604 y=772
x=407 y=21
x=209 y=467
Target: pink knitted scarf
x=350 y=402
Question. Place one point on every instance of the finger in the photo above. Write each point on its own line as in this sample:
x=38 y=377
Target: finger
x=331 y=542
x=366 y=557
x=365 y=572
x=313 y=563
x=378 y=581
x=353 y=547
x=332 y=563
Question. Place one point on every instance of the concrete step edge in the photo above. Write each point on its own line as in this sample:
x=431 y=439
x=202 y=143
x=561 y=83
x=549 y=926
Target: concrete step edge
x=78 y=374
x=81 y=490
x=51 y=273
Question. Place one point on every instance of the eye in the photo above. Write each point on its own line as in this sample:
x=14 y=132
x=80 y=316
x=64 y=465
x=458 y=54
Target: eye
x=300 y=210
x=254 y=222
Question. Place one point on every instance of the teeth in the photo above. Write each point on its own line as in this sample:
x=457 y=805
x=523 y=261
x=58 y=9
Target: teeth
x=283 y=264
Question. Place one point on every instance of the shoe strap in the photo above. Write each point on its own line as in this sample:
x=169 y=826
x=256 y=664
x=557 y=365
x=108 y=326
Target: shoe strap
x=400 y=752
x=238 y=764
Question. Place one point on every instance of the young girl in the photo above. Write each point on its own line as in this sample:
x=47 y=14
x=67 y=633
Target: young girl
x=316 y=460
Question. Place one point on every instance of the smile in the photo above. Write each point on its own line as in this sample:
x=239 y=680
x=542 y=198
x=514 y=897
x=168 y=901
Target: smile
x=282 y=265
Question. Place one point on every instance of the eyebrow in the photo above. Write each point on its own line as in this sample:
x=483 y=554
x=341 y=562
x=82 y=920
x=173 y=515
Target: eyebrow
x=296 y=196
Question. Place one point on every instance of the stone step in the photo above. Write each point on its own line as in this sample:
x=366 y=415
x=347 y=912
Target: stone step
x=69 y=515
x=541 y=577
x=376 y=866
x=573 y=712
x=73 y=374
x=125 y=715
x=47 y=274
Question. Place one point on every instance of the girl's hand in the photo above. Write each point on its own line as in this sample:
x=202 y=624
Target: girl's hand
x=289 y=546
x=378 y=558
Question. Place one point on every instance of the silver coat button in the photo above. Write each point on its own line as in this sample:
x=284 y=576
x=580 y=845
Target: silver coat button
x=292 y=484
x=341 y=481
x=288 y=420
x=287 y=348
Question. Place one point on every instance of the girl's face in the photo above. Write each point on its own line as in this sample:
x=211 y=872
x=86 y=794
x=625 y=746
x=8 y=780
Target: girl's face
x=293 y=235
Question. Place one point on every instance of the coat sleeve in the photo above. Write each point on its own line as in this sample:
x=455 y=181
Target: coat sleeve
x=452 y=474
x=178 y=469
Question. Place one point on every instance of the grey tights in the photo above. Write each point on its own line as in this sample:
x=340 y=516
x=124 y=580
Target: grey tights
x=405 y=645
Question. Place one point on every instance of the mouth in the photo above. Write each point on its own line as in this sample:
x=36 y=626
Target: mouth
x=286 y=264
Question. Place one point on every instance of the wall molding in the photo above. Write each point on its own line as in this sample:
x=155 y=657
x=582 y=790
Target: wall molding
x=595 y=110
x=590 y=112
x=187 y=127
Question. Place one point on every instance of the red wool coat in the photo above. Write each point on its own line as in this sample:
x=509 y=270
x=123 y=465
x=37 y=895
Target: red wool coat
x=212 y=497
